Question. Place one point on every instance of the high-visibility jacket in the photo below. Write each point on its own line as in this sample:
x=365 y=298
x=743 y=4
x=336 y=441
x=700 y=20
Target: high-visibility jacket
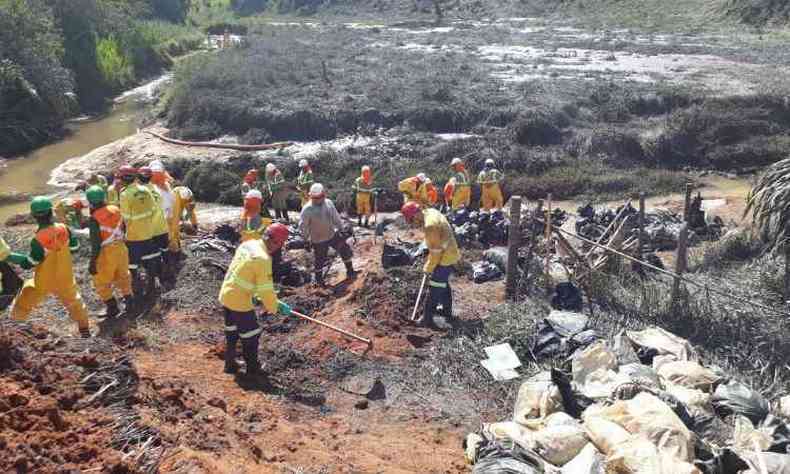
x=249 y=275
x=109 y=226
x=253 y=225
x=440 y=240
x=247 y=186
x=183 y=202
x=159 y=224
x=5 y=250
x=305 y=180
x=110 y=252
x=364 y=198
x=114 y=193
x=275 y=182
x=413 y=190
x=432 y=194
x=137 y=209
x=50 y=255
x=490 y=191
x=461 y=190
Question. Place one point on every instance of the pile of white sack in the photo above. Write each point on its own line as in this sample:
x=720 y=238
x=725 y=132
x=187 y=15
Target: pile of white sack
x=641 y=403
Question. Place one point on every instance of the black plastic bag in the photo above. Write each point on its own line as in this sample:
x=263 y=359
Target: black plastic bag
x=735 y=397
x=485 y=271
x=12 y=283
x=567 y=297
x=459 y=217
x=506 y=457
x=497 y=256
x=573 y=403
x=227 y=233
x=557 y=333
x=393 y=256
x=726 y=462
x=295 y=242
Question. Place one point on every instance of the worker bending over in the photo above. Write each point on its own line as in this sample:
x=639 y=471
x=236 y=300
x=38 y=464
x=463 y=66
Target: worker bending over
x=363 y=187
x=304 y=181
x=50 y=255
x=278 y=189
x=137 y=209
x=250 y=276
x=183 y=211
x=252 y=224
x=319 y=223
x=109 y=256
x=490 y=190
x=443 y=254
x=459 y=189
x=414 y=189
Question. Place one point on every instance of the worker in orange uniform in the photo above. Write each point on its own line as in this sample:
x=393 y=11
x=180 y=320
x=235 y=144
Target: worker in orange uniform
x=363 y=187
x=137 y=209
x=443 y=254
x=109 y=263
x=51 y=256
x=304 y=181
x=183 y=210
x=249 y=277
x=460 y=185
x=413 y=188
x=252 y=224
x=490 y=189
x=431 y=193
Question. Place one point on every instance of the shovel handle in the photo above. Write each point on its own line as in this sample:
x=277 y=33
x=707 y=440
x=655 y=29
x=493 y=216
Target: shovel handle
x=419 y=296
x=334 y=328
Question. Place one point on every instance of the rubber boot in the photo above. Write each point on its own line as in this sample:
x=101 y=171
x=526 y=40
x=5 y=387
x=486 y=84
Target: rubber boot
x=231 y=366
x=112 y=309
x=367 y=221
x=130 y=306
x=249 y=348
x=137 y=285
x=151 y=290
x=359 y=221
x=426 y=320
x=350 y=272
x=85 y=333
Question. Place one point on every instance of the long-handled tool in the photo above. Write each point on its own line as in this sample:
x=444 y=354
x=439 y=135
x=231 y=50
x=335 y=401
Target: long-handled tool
x=419 y=297
x=337 y=329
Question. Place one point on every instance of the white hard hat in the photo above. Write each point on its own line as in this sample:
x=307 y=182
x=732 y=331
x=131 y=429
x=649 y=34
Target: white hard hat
x=185 y=192
x=365 y=168
x=304 y=164
x=254 y=194
x=422 y=177
x=456 y=161
x=428 y=181
x=270 y=168
x=489 y=161
x=317 y=190
x=157 y=166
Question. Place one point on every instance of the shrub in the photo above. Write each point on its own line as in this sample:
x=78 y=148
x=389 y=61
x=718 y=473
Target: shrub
x=535 y=128
x=115 y=67
x=212 y=183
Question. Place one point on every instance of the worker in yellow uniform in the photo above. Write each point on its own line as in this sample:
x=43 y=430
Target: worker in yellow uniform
x=50 y=255
x=109 y=256
x=252 y=224
x=431 y=194
x=304 y=181
x=69 y=211
x=413 y=188
x=249 y=277
x=363 y=187
x=159 y=262
x=114 y=190
x=183 y=210
x=490 y=189
x=278 y=190
x=137 y=209
x=460 y=185
x=251 y=182
x=443 y=254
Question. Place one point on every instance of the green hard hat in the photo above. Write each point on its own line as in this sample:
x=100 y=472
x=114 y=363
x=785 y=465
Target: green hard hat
x=96 y=195
x=40 y=205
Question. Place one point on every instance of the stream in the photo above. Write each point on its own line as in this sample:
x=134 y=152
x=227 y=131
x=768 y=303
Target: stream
x=30 y=173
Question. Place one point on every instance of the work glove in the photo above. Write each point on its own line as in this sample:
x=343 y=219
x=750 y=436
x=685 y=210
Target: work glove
x=256 y=301
x=92 y=266
x=284 y=309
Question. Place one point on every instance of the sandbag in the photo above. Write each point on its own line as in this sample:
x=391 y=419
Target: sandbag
x=779 y=431
x=573 y=402
x=604 y=434
x=688 y=396
x=556 y=333
x=622 y=348
x=770 y=463
x=735 y=397
x=471 y=446
x=647 y=416
x=588 y=461
x=688 y=374
x=558 y=444
x=784 y=407
x=641 y=374
x=508 y=430
x=495 y=457
x=593 y=371
x=537 y=398
x=661 y=342
x=747 y=438
x=560 y=419
x=639 y=456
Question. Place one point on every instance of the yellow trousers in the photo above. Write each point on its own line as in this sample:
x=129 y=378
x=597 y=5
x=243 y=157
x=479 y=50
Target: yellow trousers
x=112 y=270
x=491 y=197
x=462 y=197
x=364 y=204
x=31 y=296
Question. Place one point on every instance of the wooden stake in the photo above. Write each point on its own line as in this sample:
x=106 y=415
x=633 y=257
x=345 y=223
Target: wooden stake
x=687 y=203
x=533 y=240
x=787 y=266
x=513 y=241
x=680 y=262
x=548 y=238
x=641 y=236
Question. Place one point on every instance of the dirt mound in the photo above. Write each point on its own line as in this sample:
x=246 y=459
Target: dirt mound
x=60 y=404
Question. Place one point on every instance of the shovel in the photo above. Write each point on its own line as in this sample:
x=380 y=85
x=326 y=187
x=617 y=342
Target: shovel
x=419 y=297
x=350 y=335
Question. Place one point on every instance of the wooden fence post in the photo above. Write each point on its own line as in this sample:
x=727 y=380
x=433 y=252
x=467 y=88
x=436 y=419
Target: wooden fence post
x=549 y=236
x=641 y=251
x=687 y=203
x=514 y=238
x=680 y=262
x=533 y=240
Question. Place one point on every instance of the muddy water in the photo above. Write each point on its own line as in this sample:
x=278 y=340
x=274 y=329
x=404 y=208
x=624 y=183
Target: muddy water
x=30 y=173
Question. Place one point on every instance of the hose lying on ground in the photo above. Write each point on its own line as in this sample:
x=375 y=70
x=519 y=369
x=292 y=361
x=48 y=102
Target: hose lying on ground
x=229 y=146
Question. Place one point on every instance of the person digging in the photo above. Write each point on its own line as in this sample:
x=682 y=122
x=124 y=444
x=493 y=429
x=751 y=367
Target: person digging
x=249 y=277
x=320 y=224
x=443 y=254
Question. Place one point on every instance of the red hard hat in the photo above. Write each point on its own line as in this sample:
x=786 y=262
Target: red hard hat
x=78 y=204
x=277 y=233
x=410 y=209
x=126 y=170
x=145 y=171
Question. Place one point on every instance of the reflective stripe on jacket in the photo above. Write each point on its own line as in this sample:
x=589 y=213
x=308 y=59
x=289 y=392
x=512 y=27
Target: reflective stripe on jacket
x=137 y=210
x=440 y=240
x=249 y=275
x=110 y=224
